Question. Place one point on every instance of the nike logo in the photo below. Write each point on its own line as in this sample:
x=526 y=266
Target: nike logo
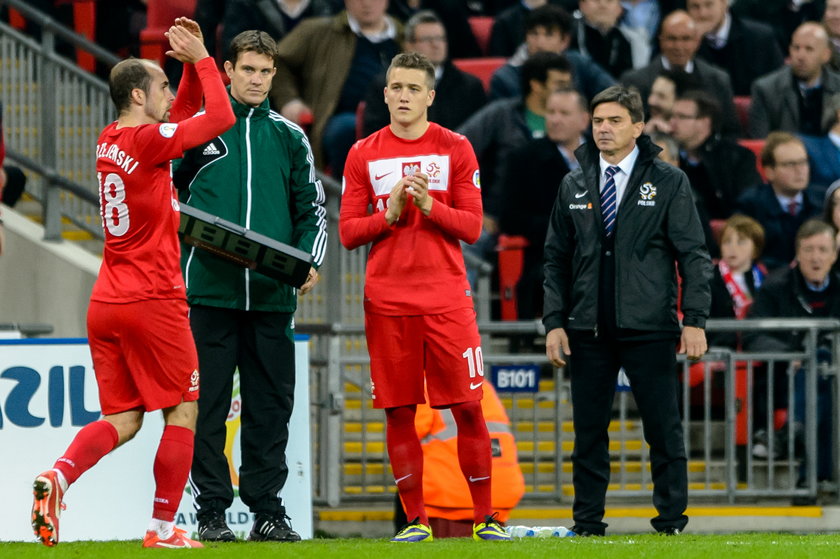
x=473 y=385
x=580 y=194
x=402 y=478
x=380 y=177
x=474 y=479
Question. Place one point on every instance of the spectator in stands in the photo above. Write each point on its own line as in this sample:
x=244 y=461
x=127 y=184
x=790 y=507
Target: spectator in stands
x=831 y=21
x=718 y=168
x=784 y=204
x=806 y=290
x=824 y=151
x=738 y=274
x=457 y=94
x=529 y=188
x=504 y=125
x=663 y=92
x=794 y=97
x=645 y=15
x=548 y=29
x=276 y=17
x=782 y=17
x=325 y=67
x=745 y=49
x=599 y=34
x=678 y=42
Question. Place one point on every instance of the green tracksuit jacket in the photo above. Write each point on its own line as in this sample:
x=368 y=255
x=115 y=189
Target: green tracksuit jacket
x=260 y=175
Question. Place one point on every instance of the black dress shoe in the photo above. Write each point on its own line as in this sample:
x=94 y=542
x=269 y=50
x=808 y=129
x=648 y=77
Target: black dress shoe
x=672 y=531
x=583 y=532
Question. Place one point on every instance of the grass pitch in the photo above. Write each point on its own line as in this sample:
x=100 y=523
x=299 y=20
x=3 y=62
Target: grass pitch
x=647 y=546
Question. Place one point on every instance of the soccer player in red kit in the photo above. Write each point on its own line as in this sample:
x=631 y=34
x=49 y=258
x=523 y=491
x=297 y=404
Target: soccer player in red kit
x=422 y=181
x=143 y=352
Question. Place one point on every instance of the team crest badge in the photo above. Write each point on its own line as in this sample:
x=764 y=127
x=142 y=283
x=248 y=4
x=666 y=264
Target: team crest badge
x=647 y=195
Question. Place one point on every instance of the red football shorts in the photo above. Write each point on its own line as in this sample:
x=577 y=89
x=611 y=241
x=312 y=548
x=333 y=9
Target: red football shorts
x=143 y=354
x=446 y=347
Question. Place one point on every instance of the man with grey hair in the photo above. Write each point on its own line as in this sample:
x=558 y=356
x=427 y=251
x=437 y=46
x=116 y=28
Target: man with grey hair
x=624 y=210
x=795 y=97
x=457 y=94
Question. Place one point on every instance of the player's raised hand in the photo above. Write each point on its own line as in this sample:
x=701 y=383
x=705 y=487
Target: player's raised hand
x=191 y=26
x=186 y=47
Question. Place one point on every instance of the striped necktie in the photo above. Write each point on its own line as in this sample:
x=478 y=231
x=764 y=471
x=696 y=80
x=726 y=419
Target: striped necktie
x=608 y=201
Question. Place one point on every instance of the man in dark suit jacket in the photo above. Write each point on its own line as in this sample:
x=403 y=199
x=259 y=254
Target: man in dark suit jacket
x=718 y=168
x=457 y=94
x=679 y=40
x=795 y=97
x=746 y=49
x=784 y=204
x=530 y=183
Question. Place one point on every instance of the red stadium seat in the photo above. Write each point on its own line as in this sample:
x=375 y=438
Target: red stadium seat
x=482 y=68
x=159 y=17
x=481 y=27
x=509 y=248
x=755 y=146
x=742 y=109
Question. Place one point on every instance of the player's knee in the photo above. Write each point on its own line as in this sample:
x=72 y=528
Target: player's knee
x=182 y=415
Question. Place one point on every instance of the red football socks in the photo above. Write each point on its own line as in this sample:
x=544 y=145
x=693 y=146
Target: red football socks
x=94 y=441
x=474 y=455
x=406 y=457
x=171 y=469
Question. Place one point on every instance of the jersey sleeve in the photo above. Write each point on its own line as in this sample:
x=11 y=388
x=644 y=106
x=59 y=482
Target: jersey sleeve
x=356 y=227
x=188 y=99
x=308 y=212
x=169 y=140
x=463 y=219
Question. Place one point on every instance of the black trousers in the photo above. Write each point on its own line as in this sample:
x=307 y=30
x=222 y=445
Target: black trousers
x=650 y=366
x=261 y=344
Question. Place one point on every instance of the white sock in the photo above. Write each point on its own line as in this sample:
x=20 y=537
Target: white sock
x=62 y=481
x=164 y=528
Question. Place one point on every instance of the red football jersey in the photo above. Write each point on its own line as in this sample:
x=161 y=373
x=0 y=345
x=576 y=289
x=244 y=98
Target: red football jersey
x=415 y=266
x=138 y=202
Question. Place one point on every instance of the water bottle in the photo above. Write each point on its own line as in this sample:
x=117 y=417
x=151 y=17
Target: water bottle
x=520 y=531
x=551 y=532
x=538 y=531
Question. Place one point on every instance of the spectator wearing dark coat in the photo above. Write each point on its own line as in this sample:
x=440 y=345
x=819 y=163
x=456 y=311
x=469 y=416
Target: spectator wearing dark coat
x=745 y=49
x=786 y=202
x=795 y=97
x=679 y=40
x=718 y=169
x=529 y=188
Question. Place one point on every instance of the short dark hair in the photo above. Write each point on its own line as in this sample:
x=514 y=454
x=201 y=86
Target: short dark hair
x=813 y=227
x=627 y=97
x=682 y=80
x=259 y=42
x=774 y=140
x=746 y=226
x=707 y=105
x=421 y=17
x=413 y=61
x=126 y=76
x=537 y=66
x=551 y=17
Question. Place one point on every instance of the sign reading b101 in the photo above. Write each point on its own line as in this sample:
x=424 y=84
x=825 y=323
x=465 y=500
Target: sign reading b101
x=516 y=378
